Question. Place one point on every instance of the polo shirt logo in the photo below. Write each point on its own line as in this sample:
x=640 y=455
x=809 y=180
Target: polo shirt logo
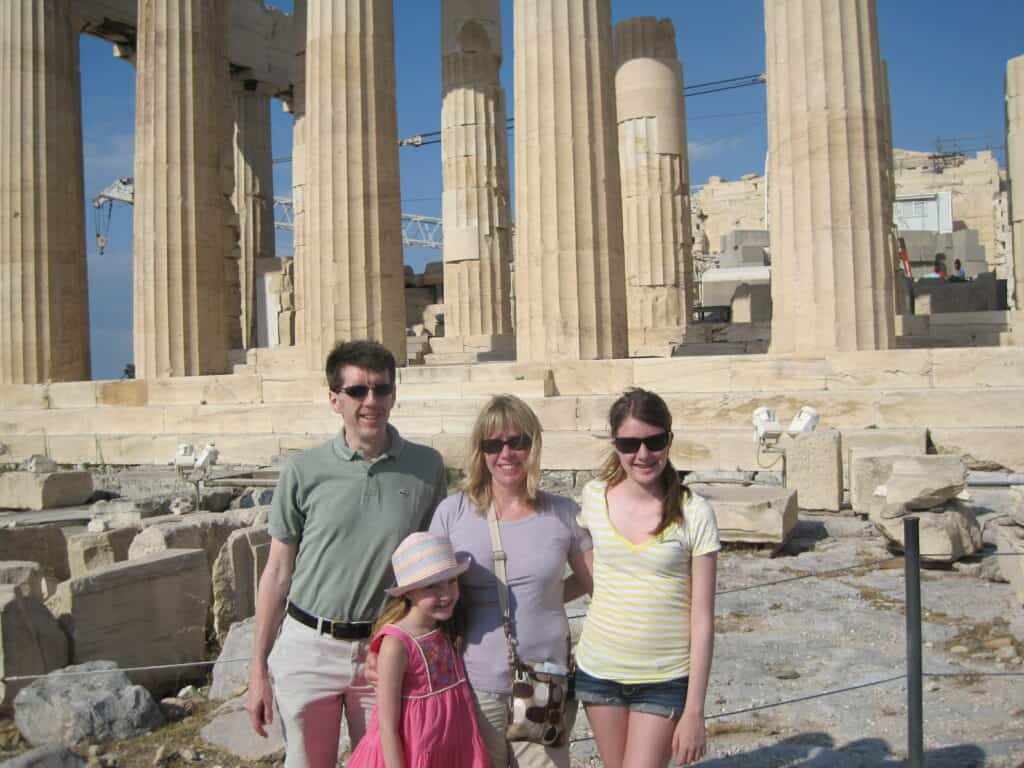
x=403 y=491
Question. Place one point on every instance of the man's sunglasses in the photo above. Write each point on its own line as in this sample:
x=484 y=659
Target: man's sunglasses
x=656 y=442
x=516 y=443
x=360 y=391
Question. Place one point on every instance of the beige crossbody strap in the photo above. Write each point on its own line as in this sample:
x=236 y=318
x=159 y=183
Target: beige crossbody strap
x=501 y=576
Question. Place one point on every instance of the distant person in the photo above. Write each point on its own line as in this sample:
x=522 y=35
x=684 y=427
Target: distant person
x=939 y=269
x=959 y=273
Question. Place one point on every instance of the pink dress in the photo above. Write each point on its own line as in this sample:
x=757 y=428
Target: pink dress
x=438 y=727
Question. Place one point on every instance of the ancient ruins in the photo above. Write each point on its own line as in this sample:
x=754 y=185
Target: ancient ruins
x=798 y=293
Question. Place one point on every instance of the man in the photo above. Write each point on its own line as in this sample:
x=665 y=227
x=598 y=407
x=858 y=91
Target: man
x=338 y=514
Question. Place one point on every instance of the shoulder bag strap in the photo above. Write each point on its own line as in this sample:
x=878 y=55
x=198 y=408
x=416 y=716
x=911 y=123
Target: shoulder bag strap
x=501 y=576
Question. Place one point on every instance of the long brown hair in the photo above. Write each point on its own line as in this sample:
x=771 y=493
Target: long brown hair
x=396 y=609
x=649 y=408
x=500 y=411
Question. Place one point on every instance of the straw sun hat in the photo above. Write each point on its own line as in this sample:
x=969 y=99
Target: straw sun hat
x=423 y=559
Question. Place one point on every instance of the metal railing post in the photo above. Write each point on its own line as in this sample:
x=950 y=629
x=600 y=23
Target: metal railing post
x=915 y=704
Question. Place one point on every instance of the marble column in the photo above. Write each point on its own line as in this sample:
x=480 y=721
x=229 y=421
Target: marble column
x=569 y=270
x=474 y=159
x=253 y=198
x=353 y=238
x=297 y=107
x=183 y=215
x=832 y=261
x=655 y=184
x=1015 y=173
x=44 y=298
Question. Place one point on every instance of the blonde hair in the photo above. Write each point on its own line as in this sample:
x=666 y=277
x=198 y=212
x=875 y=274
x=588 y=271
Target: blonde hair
x=397 y=608
x=500 y=412
x=649 y=408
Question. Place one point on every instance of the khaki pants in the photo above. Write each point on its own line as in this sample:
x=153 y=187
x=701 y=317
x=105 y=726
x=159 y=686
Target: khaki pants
x=491 y=717
x=318 y=680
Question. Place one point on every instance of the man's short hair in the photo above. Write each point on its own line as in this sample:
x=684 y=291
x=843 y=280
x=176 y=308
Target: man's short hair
x=371 y=355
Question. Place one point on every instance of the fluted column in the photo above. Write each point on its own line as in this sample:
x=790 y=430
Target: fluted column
x=183 y=238
x=44 y=299
x=298 y=110
x=1015 y=172
x=570 y=279
x=655 y=183
x=832 y=266
x=353 y=233
x=253 y=198
x=474 y=158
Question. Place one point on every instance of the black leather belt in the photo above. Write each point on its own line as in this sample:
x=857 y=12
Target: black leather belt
x=339 y=630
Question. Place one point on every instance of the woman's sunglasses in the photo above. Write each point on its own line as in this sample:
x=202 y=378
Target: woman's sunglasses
x=360 y=391
x=516 y=443
x=656 y=442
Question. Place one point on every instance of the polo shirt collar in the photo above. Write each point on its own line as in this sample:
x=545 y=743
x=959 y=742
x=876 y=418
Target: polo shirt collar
x=395 y=446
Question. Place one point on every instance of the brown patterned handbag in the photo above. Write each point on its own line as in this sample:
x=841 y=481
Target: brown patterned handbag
x=536 y=709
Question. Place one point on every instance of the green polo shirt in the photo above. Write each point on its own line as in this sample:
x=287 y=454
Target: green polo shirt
x=347 y=515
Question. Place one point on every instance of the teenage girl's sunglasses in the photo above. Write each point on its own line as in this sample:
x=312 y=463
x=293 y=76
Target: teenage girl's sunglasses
x=656 y=442
x=360 y=391
x=516 y=443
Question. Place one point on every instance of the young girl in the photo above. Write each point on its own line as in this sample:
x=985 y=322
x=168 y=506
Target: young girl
x=645 y=653
x=425 y=715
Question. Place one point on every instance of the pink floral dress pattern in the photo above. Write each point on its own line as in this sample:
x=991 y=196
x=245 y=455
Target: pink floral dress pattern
x=438 y=727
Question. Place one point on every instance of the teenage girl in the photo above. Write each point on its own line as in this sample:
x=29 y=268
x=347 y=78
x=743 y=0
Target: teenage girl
x=425 y=715
x=644 y=657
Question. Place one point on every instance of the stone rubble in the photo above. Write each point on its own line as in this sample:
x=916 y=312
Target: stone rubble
x=31 y=642
x=46 y=756
x=50 y=490
x=814 y=468
x=946 y=534
x=92 y=708
x=752 y=514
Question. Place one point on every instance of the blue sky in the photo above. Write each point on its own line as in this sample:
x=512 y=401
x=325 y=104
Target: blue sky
x=947 y=60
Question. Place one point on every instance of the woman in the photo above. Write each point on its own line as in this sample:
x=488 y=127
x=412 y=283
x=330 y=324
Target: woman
x=540 y=536
x=645 y=654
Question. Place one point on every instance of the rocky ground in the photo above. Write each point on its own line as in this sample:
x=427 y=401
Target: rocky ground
x=792 y=641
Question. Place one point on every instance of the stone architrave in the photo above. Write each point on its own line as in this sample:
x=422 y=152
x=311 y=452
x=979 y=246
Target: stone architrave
x=1015 y=173
x=829 y=222
x=44 y=299
x=354 y=281
x=569 y=267
x=474 y=160
x=183 y=242
x=150 y=611
x=254 y=201
x=655 y=183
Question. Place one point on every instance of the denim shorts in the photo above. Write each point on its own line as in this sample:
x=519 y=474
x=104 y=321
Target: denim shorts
x=665 y=699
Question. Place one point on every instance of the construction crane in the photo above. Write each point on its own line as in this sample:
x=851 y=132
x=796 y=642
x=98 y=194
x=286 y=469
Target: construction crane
x=417 y=231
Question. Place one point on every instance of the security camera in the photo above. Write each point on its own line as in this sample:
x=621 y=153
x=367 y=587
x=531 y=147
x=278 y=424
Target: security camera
x=207 y=458
x=766 y=427
x=806 y=420
x=185 y=456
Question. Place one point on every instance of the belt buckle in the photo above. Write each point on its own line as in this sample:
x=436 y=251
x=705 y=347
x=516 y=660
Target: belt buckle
x=326 y=627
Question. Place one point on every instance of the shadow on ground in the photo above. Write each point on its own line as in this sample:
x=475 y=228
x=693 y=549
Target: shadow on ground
x=818 y=750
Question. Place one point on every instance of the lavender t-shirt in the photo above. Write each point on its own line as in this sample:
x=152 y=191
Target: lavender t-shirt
x=538 y=549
